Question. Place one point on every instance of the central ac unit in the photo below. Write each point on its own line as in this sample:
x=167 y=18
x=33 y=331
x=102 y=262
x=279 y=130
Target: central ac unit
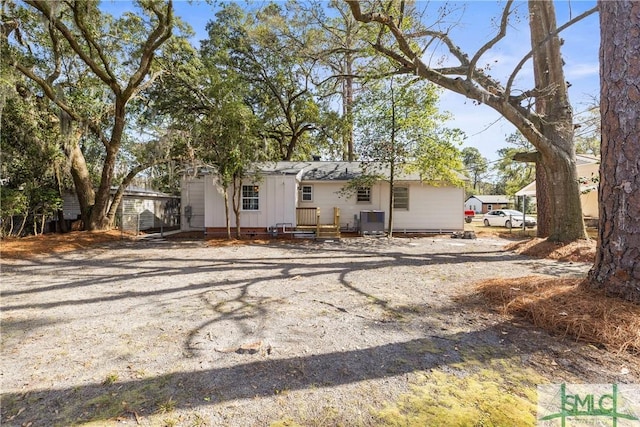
x=371 y=222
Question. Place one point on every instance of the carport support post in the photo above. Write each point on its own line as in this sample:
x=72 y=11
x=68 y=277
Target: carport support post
x=524 y=213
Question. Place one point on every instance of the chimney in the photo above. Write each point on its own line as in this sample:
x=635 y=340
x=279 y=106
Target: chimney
x=315 y=158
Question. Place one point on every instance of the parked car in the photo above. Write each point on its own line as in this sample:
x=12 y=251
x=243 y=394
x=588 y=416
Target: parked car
x=507 y=218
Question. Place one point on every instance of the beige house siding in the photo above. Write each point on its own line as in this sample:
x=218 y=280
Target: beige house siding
x=431 y=208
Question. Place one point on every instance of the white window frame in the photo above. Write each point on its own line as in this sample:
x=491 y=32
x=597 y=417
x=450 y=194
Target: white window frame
x=250 y=198
x=363 y=195
x=405 y=205
x=308 y=195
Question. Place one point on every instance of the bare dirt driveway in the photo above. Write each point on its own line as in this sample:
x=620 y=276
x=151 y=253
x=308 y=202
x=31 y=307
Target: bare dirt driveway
x=351 y=332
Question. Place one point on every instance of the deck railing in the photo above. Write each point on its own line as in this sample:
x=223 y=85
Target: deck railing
x=309 y=219
x=307 y=216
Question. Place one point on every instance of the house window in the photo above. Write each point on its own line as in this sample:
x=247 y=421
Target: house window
x=489 y=207
x=364 y=194
x=250 y=197
x=307 y=193
x=401 y=198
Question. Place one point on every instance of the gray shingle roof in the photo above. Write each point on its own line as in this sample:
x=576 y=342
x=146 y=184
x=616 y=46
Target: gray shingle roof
x=331 y=171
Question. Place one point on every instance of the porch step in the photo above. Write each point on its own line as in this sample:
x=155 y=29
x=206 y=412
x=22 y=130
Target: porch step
x=324 y=231
x=328 y=231
x=328 y=235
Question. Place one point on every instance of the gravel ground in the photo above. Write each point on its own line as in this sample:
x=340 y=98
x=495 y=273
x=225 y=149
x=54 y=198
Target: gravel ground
x=162 y=332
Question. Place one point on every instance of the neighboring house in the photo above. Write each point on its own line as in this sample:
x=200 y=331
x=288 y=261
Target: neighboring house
x=296 y=197
x=588 y=168
x=482 y=204
x=140 y=209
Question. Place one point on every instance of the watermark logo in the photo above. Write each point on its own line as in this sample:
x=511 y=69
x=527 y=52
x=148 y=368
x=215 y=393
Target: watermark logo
x=615 y=405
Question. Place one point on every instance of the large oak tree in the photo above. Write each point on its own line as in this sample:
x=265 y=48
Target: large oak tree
x=548 y=126
x=91 y=66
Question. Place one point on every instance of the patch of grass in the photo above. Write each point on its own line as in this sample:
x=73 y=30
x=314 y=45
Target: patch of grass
x=110 y=379
x=111 y=405
x=170 y=422
x=116 y=403
x=500 y=394
x=166 y=406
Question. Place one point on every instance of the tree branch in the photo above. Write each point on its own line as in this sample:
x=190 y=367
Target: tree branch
x=503 y=31
x=45 y=9
x=79 y=20
x=520 y=64
x=51 y=94
x=157 y=37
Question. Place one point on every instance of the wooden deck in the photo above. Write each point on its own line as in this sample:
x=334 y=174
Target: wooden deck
x=308 y=219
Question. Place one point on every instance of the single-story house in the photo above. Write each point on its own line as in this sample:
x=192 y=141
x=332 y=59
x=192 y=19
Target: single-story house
x=482 y=204
x=141 y=209
x=588 y=168
x=296 y=197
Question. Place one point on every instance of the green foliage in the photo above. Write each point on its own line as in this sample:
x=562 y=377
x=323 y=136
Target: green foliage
x=342 y=51
x=258 y=47
x=476 y=168
x=88 y=66
x=30 y=158
x=512 y=175
x=398 y=123
x=13 y=202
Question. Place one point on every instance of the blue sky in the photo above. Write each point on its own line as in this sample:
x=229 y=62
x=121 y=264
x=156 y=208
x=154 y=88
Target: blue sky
x=484 y=127
x=475 y=24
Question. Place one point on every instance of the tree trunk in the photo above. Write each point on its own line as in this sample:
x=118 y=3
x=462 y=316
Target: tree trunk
x=43 y=223
x=391 y=197
x=564 y=212
x=10 y=226
x=62 y=224
x=542 y=190
x=616 y=268
x=543 y=228
x=99 y=219
x=226 y=212
x=236 y=200
x=84 y=191
x=348 y=108
x=22 y=225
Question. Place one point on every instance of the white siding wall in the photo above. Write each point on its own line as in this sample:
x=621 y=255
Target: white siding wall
x=214 y=205
x=277 y=203
x=473 y=204
x=70 y=206
x=192 y=194
x=326 y=197
x=430 y=208
x=278 y=197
